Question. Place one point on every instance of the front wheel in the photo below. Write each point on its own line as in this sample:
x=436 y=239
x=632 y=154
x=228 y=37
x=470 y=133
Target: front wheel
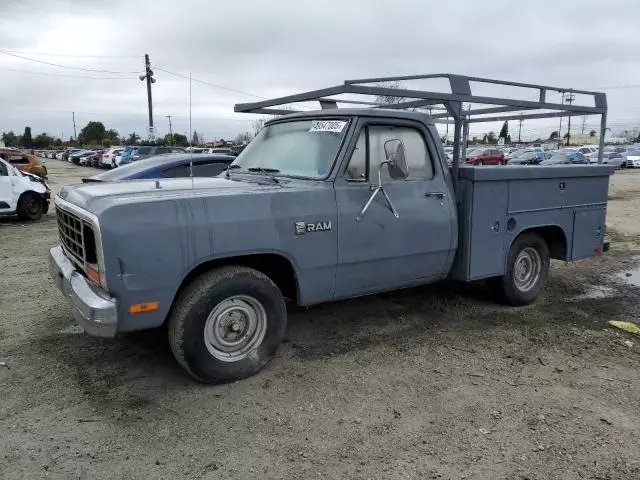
x=227 y=324
x=30 y=206
x=526 y=271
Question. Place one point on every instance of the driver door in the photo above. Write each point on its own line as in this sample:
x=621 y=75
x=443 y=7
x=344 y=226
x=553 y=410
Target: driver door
x=376 y=250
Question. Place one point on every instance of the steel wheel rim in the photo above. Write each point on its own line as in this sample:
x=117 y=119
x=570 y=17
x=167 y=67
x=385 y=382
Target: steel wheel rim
x=235 y=327
x=527 y=268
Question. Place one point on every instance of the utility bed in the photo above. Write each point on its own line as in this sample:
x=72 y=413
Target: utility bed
x=495 y=203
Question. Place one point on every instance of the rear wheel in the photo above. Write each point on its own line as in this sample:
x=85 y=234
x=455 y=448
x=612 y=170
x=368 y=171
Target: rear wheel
x=30 y=206
x=227 y=324
x=527 y=270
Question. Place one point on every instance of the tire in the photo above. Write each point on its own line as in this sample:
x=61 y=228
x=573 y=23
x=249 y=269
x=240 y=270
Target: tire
x=479 y=163
x=30 y=206
x=529 y=253
x=233 y=292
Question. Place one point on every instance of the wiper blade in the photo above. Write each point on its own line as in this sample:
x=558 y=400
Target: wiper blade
x=263 y=169
x=229 y=167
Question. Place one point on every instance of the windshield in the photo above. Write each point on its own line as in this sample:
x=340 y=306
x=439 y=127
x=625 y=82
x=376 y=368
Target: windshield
x=634 y=152
x=305 y=148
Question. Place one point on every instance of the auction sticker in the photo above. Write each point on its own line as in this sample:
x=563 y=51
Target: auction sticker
x=327 y=126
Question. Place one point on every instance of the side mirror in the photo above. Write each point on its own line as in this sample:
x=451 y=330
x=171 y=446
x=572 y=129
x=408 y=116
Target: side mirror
x=396 y=160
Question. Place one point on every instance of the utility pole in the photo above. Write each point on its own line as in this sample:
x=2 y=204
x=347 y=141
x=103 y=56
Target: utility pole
x=148 y=76
x=584 y=118
x=570 y=98
x=170 y=130
x=75 y=135
x=519 y=129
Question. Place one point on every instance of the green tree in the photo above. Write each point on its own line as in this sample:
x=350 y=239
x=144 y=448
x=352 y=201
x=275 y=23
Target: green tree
x=491 y=137
x=92 y=133
x=554 y=135
x=26 y=140
x=42 y=141
x=178 y=140
x=196 y=139
x=132 y=139
x=504 y=131
x=10 y=139
x=111 y=136
x=592 y=133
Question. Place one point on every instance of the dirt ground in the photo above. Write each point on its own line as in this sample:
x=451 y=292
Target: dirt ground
x=436 y=382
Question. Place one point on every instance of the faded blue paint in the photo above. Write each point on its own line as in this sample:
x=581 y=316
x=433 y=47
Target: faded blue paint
x=154 y=233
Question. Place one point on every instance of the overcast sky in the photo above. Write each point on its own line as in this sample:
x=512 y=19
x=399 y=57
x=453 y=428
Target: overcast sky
x=271 y=48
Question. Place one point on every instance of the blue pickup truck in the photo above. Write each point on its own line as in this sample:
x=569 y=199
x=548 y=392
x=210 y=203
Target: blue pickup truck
x=321 y=206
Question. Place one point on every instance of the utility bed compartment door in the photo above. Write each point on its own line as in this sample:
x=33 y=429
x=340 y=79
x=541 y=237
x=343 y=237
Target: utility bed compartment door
x=588 y=232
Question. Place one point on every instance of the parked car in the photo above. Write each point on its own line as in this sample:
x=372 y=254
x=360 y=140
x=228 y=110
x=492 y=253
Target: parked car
x=527 y=158
x=485 y=156
x=167 y=166
x=108 y=159
x=22 y=194
x=590 y=153
x=633 y=157
x=221 y=151
x=94 y=159
x=615 y=159
x=74 y=156
x=84 y=158
x=524 y=151
x=23 y=161
x=564 y=158
x=147 y=152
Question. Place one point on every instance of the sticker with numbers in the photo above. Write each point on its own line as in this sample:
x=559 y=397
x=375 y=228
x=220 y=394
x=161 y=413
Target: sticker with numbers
x=334 y=126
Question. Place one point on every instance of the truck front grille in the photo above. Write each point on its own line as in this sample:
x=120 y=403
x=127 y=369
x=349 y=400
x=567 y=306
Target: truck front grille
x=77 y=237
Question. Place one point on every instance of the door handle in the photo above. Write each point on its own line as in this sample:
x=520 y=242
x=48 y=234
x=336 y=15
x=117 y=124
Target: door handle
x=435 y=194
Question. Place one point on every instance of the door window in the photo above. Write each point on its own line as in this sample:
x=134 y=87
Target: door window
x=176 y=172
x=18 y=160
x=210 y=169
x=357 y=169
x=3 y=170
x=419 y=163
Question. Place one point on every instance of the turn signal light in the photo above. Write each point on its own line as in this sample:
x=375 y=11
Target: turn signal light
x=93 y=274
x=143 y=307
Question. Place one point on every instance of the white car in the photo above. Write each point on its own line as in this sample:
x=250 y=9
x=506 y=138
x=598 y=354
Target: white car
x=633 y=158
x=108 y=159
x=590 y=152
x=22 y=194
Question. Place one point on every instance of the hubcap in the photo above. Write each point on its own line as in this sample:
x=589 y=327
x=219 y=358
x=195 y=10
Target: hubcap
x=527 y=268
x=235 y=327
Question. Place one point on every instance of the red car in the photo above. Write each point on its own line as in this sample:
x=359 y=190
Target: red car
x=485 y=156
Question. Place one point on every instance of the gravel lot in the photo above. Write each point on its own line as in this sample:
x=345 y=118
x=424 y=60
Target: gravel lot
x=434 y=382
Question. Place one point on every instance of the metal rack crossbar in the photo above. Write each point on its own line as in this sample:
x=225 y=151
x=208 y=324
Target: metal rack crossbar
x=494 y=109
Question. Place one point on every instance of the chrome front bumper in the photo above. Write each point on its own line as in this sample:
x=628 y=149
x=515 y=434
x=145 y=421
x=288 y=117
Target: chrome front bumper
x=96 y=314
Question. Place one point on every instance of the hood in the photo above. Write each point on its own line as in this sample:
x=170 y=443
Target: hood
x=98 y=196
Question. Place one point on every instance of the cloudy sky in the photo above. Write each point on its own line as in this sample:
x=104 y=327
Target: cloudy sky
x=277 y=47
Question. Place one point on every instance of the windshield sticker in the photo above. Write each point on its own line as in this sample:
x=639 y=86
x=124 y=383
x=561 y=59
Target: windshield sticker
x=335 y=126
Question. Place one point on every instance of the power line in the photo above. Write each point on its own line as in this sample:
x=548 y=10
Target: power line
x=209 y=83
x=70 y=55
x=68 y=76
x=64 y=66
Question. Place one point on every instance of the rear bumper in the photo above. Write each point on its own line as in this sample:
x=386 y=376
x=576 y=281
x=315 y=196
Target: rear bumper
x=96 y=314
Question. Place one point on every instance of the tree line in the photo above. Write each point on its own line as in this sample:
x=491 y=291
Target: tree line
x=96 y=134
